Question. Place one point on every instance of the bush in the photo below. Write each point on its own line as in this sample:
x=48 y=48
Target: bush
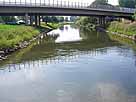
x=123 y=28
x=12 y=34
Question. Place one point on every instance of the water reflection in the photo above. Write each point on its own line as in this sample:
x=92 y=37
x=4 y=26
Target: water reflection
x=67 y=34
x=64 y=57
x=93 y=69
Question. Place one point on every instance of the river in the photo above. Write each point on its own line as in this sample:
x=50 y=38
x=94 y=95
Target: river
x=81 y=66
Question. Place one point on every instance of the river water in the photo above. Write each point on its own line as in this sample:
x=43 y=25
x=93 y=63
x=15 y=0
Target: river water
x=81 y=66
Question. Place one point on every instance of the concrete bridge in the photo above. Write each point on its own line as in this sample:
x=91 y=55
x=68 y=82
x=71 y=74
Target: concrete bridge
x=40 y=8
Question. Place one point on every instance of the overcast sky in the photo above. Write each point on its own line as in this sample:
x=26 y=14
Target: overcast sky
x=113 y=2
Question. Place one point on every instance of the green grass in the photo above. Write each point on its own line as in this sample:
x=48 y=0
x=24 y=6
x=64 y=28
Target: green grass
x=123 y=28
x=10 y=35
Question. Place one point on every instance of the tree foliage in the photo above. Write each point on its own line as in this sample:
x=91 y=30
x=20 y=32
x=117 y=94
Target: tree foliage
x=54 y=19
x=73 y=18
x=127 y=3
x=86 y=21
x=8 y=18
x=100 y=2
x=61 y=19
x=134 y=16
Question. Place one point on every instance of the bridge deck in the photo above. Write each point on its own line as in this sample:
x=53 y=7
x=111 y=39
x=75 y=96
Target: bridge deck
x=62 y=8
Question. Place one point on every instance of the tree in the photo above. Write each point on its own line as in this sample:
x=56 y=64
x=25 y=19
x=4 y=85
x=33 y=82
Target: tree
x=86 y=21
x=100 y=2
x=54 y=19
x=61 y=19
x=46 y=19
x=1 y=20
x=127 y=3
x=134 y=17
x=50 y=19
x=73 y=18
x=8 y=18
x=66 y=19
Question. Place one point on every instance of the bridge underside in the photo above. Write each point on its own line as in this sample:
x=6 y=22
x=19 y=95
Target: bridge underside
x=32 y=11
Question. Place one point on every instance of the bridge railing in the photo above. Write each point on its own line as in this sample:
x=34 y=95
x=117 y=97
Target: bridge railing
x=65 y=4
x=42 y=3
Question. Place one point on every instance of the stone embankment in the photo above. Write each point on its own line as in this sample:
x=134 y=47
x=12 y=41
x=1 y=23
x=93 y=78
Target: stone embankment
x=4 y=52
x=131 y=37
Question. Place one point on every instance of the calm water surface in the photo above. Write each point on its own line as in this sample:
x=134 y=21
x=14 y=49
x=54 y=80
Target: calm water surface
x=82 y=66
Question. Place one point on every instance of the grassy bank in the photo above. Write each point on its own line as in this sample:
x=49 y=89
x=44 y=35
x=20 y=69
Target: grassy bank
x=124 y=41
x=10 y=35
x=125 y=28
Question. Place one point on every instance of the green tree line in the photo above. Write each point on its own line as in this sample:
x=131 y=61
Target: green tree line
x=122 y=3
x=127 y=3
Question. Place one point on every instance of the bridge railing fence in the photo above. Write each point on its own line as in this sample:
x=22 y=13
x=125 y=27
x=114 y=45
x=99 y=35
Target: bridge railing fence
x=50 y=3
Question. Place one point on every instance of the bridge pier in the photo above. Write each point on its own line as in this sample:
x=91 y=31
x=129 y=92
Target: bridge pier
x=26 y=19
x=31 y=20
x=101 y=21
x=37 y=20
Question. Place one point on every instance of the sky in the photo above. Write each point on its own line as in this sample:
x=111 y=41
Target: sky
x=113 y=2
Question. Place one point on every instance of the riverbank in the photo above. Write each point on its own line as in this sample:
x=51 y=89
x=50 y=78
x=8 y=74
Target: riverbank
x=10 y=35
x=15 y=37
x=123 y=29
x=123 y=40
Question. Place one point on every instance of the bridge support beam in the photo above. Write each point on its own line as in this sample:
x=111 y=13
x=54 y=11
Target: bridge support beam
x=31 y=20
x=26 y=19
x=36 y=21
x=39 y=20
x=101 y=21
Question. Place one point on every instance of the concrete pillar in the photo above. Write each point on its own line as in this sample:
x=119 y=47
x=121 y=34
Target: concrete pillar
x=100 y=20
x=42 y=18
x=39 y=20
x=104 y=20
x=31 y=20
x=36 y=20
x=26 y=19
x=97 y=21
